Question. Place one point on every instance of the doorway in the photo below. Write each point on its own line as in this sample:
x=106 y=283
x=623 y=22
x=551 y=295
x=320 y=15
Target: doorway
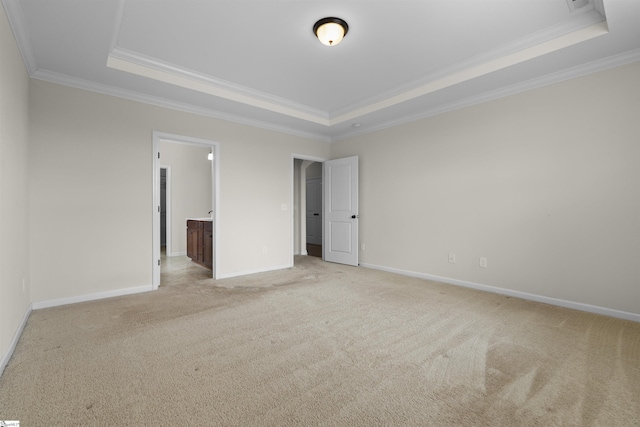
x=165 y=210
x=314 y=213
x=206 y=205
x=307 y=201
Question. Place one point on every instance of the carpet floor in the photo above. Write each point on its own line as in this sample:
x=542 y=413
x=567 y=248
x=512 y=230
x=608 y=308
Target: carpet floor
x=321 y=344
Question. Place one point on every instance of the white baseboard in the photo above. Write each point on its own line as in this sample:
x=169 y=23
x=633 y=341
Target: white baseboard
x=523 y=295
x=91 y=297
x=304 y=253
x=259 y=270
x=7 y=356
x=177 y=254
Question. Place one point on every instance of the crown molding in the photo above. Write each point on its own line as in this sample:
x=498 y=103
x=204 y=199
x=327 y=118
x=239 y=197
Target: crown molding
x=585 y=25
x=139 y=64
x=117 y=24
x=581 y=21
x=16 y=22
x=549 y=79
x=583 y=70
x=142 y=65
x=77 y=83
x=462 y=74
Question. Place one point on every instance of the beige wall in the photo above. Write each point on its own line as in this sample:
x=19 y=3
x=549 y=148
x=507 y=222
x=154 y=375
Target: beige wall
x=91 y=191
x=14 y=254
x=545 y=184
x=191 y=184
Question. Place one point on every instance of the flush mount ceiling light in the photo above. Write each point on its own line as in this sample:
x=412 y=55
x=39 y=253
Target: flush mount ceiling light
x=330 y=31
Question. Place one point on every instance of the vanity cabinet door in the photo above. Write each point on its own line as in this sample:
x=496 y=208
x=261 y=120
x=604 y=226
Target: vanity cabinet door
x=192 y=240
x=200 y=242
x=207 y=245
x=200 y=246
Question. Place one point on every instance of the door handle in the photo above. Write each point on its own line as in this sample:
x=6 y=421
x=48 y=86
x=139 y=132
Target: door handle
x=355 y=216
x=316 y=214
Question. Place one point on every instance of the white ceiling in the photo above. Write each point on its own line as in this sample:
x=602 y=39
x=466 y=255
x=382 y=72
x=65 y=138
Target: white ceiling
x=258 y=62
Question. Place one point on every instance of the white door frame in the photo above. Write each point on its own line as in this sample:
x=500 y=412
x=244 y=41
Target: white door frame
x=215 y=177
x=168 y=211
x=303 y=236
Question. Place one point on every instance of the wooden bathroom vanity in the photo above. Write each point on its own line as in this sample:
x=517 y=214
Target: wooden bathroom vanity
x=200 y=241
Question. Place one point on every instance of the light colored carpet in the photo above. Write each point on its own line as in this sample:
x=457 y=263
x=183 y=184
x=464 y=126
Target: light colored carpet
x=321 y=344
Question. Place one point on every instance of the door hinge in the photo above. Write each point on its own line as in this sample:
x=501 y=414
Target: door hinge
x=158 y=263
x=158 y=208
x=158 y=154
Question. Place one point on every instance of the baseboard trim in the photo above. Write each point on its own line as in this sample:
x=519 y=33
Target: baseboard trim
x=518 y=294
x=91 y=297
x=258 y=270
x=14 y=342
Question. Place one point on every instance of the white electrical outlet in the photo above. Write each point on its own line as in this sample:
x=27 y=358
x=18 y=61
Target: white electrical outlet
x=362 y=247
x=265 y=249
x=452 y=258
x=483 y=262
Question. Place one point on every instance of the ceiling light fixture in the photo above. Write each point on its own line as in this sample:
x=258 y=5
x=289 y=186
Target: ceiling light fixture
x=330 y=31
x=210 y=155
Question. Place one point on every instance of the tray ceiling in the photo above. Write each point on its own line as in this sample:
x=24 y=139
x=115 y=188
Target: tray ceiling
x=258 y=62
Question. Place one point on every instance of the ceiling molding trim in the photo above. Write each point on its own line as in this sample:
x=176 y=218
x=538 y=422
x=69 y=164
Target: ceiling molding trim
x=581 y=27
x=117 y=24
x=165 y=103
x=571 y=73
x=141 y=65
x=599 y=6
x=480 y=70
x=576 y=23
x=16 y=22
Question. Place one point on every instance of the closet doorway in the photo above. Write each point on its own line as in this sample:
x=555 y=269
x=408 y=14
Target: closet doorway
x=307 y=221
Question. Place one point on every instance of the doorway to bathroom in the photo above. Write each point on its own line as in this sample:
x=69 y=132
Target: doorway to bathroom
x=189 y=169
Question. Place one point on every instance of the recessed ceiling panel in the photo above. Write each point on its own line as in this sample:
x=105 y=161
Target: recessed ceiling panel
x=268 y=46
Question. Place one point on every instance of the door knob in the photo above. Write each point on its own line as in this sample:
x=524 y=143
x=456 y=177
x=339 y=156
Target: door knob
x=355 y=216
x=316 y=214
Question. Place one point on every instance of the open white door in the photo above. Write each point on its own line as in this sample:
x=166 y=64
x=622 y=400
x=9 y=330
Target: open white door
x=341 y=211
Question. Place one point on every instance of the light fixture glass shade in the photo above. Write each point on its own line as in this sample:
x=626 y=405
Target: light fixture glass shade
x=330 y=31
x=210 y=155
